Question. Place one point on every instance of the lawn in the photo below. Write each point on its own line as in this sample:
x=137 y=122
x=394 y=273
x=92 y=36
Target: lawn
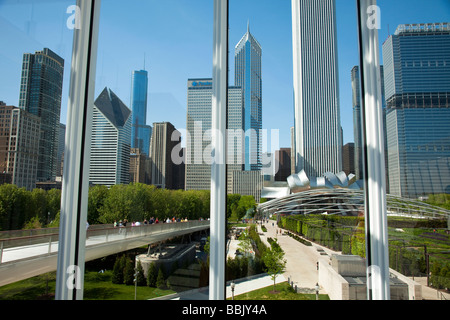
x=283 y=291
x=97 y=286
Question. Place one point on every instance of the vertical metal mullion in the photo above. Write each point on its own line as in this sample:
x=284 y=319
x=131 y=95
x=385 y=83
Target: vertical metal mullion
x=217 y=288
x=373 y=155
x=73 y=216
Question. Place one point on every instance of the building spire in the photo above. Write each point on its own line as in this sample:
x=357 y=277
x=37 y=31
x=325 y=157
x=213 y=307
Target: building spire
x=248 y=26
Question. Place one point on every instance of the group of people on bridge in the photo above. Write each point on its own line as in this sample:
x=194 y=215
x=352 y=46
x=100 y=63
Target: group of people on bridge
x=152 y=220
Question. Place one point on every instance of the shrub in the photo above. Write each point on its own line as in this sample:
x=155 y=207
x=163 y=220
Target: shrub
x=119 y=265
x=160 y=280
x=140 y=278
x=128 y=273
x=152 y=274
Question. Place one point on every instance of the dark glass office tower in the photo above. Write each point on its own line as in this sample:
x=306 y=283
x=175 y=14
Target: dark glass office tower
x=417 y=79
x=40 y=94
x=140 y=131
x=248 y=76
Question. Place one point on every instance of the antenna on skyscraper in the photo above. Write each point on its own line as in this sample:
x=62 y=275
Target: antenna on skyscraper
x=144 y=60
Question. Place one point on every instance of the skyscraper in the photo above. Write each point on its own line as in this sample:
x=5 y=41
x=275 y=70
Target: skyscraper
x=348 y=158
x=248 y=76
x=19 y=145
x=40 y=94
x=417 y=84
x=61 y=147
x=140 y=131
x=199 y=104
x=317 y=125
x=111 y=136
x=357 y=129
x=163 y=166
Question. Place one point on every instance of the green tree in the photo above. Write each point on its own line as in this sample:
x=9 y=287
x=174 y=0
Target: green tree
x=152 y=275
x=116 y=205
x=160 y=280
x=140 y=277
x=274 y=261
x=15 y=207
x=245 y=203
x=119 y=265
x=232 y=202
x=53 y=205
x=40 y=203
x=96 y=199
x=128 y=272
x=136 y=194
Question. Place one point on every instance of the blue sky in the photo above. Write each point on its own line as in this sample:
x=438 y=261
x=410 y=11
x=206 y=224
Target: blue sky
x=175 y=37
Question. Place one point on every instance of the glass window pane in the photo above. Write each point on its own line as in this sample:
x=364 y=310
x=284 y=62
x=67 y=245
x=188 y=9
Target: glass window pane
x=35 y=65
x=153 y=80
x=325 y=212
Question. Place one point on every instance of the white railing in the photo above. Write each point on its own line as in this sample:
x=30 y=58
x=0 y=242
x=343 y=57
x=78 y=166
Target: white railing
x=17 y=248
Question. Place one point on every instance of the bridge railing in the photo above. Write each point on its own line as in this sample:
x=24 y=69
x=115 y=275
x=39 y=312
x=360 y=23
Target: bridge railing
x=46 y=243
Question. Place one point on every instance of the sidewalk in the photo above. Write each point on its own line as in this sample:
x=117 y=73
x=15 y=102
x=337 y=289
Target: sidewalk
x=301 y=266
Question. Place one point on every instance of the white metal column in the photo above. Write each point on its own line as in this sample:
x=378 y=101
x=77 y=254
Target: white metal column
x=74 y=197
x=373 y=155
x=218 y=143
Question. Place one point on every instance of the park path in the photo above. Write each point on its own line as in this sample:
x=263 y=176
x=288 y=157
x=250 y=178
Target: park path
x=301 y=265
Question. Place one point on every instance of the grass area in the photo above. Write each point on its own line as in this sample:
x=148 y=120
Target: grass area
x=283 y=291
x=96 y=287
x=99 y=287
x=30 y=289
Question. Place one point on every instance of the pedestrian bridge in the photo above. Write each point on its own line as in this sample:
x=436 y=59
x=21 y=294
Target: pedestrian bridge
x=23 y=257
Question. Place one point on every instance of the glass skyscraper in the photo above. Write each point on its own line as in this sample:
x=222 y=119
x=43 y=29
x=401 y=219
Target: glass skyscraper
x=40 y=94
x=417 y=79
x=140 y=131
x=318 y=134
x=248 y=76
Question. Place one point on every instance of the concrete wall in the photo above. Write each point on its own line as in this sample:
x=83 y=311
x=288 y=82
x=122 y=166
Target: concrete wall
x=414 y=288
x=334 y=285
x=339 y=288
x=187 y=254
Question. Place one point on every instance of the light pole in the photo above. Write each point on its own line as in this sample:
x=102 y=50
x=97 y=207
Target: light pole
x=232 y=290
x=317 y=291
x=135 y=282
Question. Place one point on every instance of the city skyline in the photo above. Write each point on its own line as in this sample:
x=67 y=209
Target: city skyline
x=277 y=61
